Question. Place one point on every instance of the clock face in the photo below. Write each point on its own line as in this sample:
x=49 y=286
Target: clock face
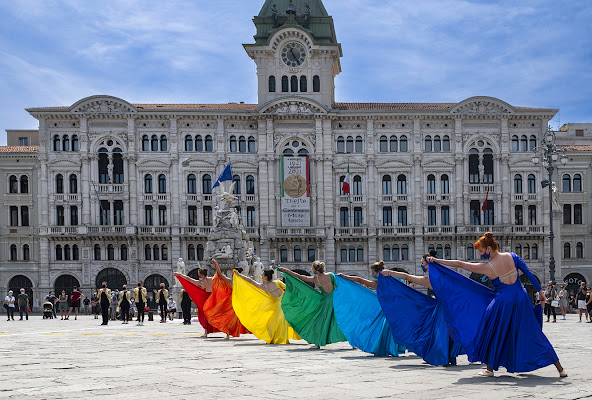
x=293 y=54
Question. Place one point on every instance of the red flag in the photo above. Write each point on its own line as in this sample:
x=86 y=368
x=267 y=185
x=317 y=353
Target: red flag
x=484 y=206
x=346 y=182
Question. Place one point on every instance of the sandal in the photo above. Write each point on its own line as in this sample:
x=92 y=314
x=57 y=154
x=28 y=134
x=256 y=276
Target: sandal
x=563 y=374
x=486 y=373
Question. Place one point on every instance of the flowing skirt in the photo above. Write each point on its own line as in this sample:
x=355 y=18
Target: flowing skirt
x=416 y=321
x=218 y=309
x=261 y=313
x=310 y=313
x=199 y=297
x=361 y=319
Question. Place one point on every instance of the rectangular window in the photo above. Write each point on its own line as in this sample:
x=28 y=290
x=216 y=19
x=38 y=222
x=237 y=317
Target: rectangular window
x=475 y=212
x=579 y=132
x=445 y=214
x=577 y=214
x=162 y=215
x=431 y=215
x=402 y=214
x=148 y=215
x=207 y=215
x=105 y=212
x=518 y=215
x=23 y=141
x=532 y=215
x=358 y=219
x=13 y=216
x=567 y=214
x=488 y=215
x=73 y=215
x=24 y=216
x=251 y=217
x=344 y=217
x=118 y=212
x=192 y=216
x=387 y=216
x=60 y=216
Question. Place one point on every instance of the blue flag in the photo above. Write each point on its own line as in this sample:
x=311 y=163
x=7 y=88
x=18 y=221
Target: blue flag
x=226 y=175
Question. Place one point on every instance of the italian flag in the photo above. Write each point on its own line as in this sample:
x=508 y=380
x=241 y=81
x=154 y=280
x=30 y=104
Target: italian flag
x=346 y=181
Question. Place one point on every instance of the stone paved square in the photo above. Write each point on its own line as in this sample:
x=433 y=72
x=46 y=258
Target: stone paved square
x=54 y=359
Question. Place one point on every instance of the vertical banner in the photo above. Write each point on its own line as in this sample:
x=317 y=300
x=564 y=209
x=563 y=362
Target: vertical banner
x=295 y=183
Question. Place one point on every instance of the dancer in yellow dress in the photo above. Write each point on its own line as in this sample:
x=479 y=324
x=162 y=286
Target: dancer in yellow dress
x=259 y=307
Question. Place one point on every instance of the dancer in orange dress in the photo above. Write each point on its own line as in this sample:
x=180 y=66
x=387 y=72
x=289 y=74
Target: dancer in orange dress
x=218 y=308
x=199 y=291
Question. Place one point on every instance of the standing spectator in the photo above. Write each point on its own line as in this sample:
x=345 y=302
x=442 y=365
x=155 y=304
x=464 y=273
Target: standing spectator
x=114 y=304
x=161 y=300
x=581 y=297
x=63 y=304
x=550 y=295
x=94 y=304
x=589 y=304
x=52 y=299
x=75 y=302
x=186 y=307
x=9 y=305
x=563 y=300
x=572 y=303
x=171 y=308
x=23 y=303
x=141 y=295
x=105 y=300
x=124 y=304
x=86 y=303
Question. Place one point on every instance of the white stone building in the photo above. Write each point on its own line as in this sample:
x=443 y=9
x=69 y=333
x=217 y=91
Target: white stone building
x=124 y=189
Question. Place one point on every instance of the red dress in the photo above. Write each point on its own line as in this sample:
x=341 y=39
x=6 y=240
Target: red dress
x=199 y=297
x=219 y=311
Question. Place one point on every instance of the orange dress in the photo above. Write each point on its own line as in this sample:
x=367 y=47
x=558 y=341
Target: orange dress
x=218 y=309
x=199 y=297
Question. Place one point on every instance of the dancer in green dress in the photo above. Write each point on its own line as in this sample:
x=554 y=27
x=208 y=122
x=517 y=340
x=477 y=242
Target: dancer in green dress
x=310 y=311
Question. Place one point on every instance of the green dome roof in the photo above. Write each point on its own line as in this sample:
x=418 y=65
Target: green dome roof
x=317 y=9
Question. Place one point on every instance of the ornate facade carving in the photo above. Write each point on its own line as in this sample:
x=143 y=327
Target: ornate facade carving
x=153 y=124
x=103 y=107
x=482 y=107
x=293 y=107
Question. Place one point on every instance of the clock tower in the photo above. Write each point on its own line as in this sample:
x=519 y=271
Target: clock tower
x=296 y=52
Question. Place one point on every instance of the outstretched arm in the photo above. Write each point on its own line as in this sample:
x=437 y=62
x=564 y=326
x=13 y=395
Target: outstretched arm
x=220 y=274
x=194 y=281
x=364 y=282
x=251 y=281
x=522 y=267
x=309 y=279
x=480 y=268
x=419 y=280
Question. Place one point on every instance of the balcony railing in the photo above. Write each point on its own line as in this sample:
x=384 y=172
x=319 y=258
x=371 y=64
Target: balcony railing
x=108 y=229
x=297 y=232
x=395 y=230
x=196 y=230
x=482 y=188
x=110 y=188
x=354 y=231
x=154 y=230
x=438 y=229
x=527 y=229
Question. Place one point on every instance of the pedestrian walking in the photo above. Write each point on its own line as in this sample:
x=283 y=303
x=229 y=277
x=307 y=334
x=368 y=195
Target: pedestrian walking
x=23 y=303
x=140 y=294
x=105 y=301
x=86 y=303
x=550 y=295
x=186 y=307
x=563 y=301
x=581 y=299
x=75 y=302
x=125 y=304
x=63 y=304
x=161 y=300
x=9 y=302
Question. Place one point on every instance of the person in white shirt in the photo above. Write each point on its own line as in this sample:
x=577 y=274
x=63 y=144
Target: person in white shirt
x=9 y=305
x=171 y=308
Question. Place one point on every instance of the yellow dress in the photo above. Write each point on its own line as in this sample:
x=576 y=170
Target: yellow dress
x=260 y=312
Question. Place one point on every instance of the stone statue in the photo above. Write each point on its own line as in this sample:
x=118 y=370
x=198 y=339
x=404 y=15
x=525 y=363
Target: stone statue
x=555 y=197
x=181 y=266
x=307 y=17
x=225 y=252
x=227 y=197
x=274 y=15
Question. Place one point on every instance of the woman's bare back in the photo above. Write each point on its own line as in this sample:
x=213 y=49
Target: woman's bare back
x=503 y=267
x=324 y=281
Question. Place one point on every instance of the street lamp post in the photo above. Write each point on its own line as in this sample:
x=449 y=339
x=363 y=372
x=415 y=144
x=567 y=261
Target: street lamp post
x=550 y=154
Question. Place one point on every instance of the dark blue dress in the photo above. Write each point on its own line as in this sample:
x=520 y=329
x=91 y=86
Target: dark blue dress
x=497 y=327
x=416 y=321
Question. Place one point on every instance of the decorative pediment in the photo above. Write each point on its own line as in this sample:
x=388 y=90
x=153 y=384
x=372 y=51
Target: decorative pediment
x=394 y=165
x=353 y=165
x=293 y=106
x=482 y=105
x=64 y=163
x=103 y=105
x=438 y=163
x=153 y=163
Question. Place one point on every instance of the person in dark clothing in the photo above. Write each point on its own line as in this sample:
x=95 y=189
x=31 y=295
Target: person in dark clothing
x=186 y=307
x=161 y=299
x=141 y=295
x=124 y=304
x=105 y=300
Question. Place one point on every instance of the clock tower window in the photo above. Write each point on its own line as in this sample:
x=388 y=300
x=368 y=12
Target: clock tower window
x=272 y=84
x=294 y=83
x=303 y=84
x=316 y=84
x=285 y=84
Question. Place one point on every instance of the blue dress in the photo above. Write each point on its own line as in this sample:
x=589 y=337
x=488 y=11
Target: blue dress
x=497 y=327
x=361 y=319
x=416 y=321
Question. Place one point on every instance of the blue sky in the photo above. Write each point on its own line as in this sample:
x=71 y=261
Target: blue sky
x=535 y=53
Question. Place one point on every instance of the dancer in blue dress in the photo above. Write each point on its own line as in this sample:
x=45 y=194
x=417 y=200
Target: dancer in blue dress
x=416 y=319
x=497 y=327
x=360 y=316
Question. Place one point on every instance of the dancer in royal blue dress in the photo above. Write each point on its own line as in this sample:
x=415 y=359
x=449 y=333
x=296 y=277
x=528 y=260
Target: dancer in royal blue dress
x=416 y=319
x=497 y=327
x=360 y=316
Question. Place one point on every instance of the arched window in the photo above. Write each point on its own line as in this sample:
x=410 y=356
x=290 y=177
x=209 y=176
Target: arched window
x=73 y=184
x=56 y=143
x=285 y=84
x=515 y=143
x=59 y=183
x=340 y=144
x=470 y=252
x=316 y=84
x=518 y=250
x=242 y=144
x=164 y=144
x=302 y=152
x=199 y=144
x=66 y=143
x=154 y=142
x=162 y=184
x=566 y=183
x=518 y=184
x=237 y=184
x=444 y=185
x=110 y=252
x=387 y=185
x=97 y=252
x=233 y=144
x=250 y=185
x=103 y=166
x=523 y=143
x=14 y=255
x=75 y=253
x=343 y=254
x=404 y=252
x=294 y=84
x=428 y=143
x=75 y=146
x=148 y=183
x=188 y=143
x=531 y=184
x=58 y=252
x=164 y=253
x=200 y=252
x=431 y=189
x=383 y=144
x=209 y=144
x=272 y=84
x=191 y=184
x=311 y=253
x=26 y=253
x=474 y=166
x=566 y=250
x=284 y=254
x=207 y=184
x=533 y=142
x=401 y=184
x=439 y=251
x=123 y=252
x=535 y=251
x=297 y=254
x=191 y=252
x=396 y=253
x=155 y=252
x=360 y=253
x=13 y=184
x=359 y=144
x=526 y=252
x=118 y=166
x=403 y=144
x=437 y=144
x=288 y=152
x=145 y=143
x=579 y=250
x=352 y=253
x=147 y=252
x=349 y=144
x=393 y=144
x=446 y=143
x=357 y=186
x=447 y=252
x=488 y=166
x=577 y=183
x=386 y=252
x=251 y=142
x=431 y=248
x=303 y=84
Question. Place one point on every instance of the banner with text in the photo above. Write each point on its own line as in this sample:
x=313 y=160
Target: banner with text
x=295 y=191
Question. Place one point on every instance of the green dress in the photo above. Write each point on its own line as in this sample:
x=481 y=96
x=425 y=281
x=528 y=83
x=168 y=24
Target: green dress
x=310 y=313
x=63 y=303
